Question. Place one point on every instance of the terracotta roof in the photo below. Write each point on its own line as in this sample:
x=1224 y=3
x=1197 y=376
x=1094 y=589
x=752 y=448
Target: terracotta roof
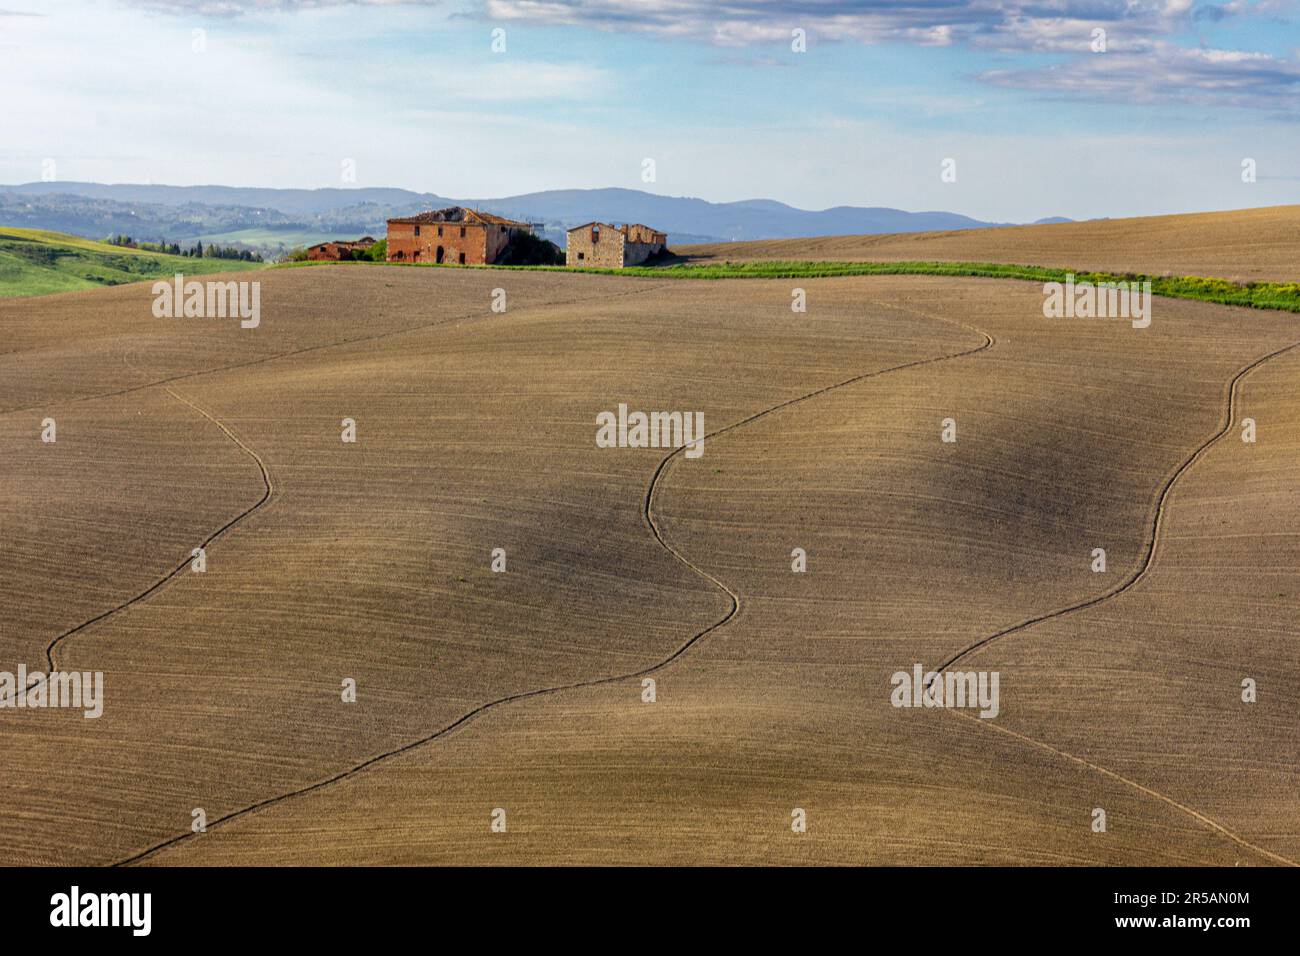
x=460 y=214
x=363 y=241
x=495 y=220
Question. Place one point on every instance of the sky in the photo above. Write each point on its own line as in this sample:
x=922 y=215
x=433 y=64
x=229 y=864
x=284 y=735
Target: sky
x=490 y=98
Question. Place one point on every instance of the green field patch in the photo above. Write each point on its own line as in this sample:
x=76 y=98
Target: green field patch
x=37 y=262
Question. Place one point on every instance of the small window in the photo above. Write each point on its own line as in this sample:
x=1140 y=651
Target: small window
x=440 y=232
x=582 y=255
x=462 y=255
x=417 y=230
x=462 y=232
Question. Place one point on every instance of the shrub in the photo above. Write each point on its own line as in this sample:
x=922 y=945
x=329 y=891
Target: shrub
x=525 y=249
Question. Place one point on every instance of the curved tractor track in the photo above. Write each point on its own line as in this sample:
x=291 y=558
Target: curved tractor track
x=1153 y=536
x=268 y=488
x=733 y=597
x=1148 y=559
x=166 y=384
x=653 y=526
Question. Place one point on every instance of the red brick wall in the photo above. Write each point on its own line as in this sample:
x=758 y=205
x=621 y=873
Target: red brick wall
x=480 y=245
x=498 y=237
x=405 y=246
x=335 y=251
x=330 y=252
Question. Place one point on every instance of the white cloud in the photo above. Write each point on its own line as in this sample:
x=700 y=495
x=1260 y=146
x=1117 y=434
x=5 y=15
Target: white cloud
x=1163 y=73
x=225 y=8
x=991 y=23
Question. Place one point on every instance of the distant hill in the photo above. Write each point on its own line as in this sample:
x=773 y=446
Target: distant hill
x=33 y=262
x=290 y=202
x=686 y=218
x=279 y=218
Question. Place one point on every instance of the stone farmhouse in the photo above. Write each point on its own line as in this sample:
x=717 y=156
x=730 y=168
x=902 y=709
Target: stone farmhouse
x=455 y=234
x=338 y=251
x=602 y=245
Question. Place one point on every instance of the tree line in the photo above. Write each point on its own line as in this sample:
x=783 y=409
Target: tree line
x=196 y=251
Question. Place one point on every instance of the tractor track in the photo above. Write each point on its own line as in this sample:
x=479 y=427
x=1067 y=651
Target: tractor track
x=734 y=609
x=166 y=383
x=657 y=533
x=1153 y=536
x=51 y=650
x=653 y=526
x=1148 y=560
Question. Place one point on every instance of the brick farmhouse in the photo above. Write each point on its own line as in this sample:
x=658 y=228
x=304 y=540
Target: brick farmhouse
x=338 y=251
x=602 y=245
x=455 y=234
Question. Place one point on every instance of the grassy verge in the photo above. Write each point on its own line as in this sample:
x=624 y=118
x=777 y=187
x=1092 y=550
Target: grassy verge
x=1256 y=295
x=36 y=262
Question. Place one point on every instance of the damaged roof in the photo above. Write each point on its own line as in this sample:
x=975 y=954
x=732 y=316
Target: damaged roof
x=460 y=214
x=617 y=228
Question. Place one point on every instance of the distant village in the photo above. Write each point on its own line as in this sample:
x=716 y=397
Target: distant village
x=462 y=236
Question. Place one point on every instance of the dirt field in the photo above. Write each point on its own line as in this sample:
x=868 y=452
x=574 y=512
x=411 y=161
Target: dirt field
x=1247 y=244
x=523 y=690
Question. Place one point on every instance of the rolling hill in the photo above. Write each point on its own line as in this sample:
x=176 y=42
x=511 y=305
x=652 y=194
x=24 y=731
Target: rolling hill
x=38 y=262
x=523 y=690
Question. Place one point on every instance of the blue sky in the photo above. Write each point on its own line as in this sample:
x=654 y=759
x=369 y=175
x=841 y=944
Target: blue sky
x=283 y=92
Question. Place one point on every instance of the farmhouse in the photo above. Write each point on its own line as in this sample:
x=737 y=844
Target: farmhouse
x=338 y=251
x=455 y=234
x=602 y=245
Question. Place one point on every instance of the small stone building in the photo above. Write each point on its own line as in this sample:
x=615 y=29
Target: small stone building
x=455 y=234
x=338 y=251
x=602 y=245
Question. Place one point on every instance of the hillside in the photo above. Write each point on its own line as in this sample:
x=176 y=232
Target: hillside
x=37 y=262
x=1246 y=244
x=370 y=561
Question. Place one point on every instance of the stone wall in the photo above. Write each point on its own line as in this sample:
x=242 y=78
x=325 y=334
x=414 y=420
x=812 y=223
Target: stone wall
x=595 y=247
x=635 y=253
x=603 y=246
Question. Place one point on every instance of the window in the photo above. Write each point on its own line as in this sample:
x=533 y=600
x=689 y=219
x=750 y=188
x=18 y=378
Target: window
x=417 y=230
x=440 y=232
x=462 y=232
x=582 y=255
x=462 y=258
